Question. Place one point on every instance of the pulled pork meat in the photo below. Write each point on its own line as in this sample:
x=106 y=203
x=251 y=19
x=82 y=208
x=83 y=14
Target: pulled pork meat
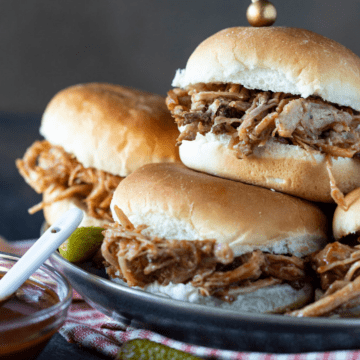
x=251 y=117
x=46 y=167
x=338 y=267
x=140 y=260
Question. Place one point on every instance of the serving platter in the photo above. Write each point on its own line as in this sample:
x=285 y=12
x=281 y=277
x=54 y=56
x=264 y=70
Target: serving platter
x=205 y=325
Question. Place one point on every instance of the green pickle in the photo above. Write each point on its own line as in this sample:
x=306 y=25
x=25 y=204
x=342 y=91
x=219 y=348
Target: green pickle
x=145 y=350
x=82 y=244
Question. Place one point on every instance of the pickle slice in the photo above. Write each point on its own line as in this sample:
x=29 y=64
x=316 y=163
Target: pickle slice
x=82 y=243
x=146 y=349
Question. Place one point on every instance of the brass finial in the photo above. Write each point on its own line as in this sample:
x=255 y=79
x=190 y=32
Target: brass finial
x=261 y=13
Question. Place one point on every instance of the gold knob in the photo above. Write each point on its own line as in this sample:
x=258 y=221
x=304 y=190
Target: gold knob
x=261 y=13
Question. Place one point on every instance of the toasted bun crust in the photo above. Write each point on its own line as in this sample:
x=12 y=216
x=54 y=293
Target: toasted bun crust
x=347 y=222
x=276 y=298
x=298 y=62
x=182 y=204
x=282 y=167
x=110 y=127
x=55 y=210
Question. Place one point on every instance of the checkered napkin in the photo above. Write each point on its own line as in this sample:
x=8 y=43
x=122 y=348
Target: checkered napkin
x=91 y=329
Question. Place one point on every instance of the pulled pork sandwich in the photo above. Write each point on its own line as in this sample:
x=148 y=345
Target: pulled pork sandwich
x=95 y=135
x=272 y=106
x=338 y=265
x=199 y=238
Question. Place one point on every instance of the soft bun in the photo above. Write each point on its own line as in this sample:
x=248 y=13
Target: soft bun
x=347 y=222
x=110 y=127
x=182 y=204
x=282 y=167
x=275 y=298
x=54 y=210
x=298 y=61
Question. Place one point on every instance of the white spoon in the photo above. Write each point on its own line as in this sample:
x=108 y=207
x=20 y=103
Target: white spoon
x=39 y=252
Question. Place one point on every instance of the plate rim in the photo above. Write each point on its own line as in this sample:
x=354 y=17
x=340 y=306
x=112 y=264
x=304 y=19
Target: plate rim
x=311 y=323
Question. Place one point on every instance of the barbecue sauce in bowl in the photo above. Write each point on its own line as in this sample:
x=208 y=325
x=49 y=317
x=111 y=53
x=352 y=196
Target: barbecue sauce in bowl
x=29 y=299
x=27 y=327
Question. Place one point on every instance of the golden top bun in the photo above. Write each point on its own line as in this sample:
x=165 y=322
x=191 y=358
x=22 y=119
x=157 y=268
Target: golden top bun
x=279 y=59
x=178 y=203
x=110 y=127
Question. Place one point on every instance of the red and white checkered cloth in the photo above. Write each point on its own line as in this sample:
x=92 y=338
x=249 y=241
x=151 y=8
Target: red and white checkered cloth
x=91 y=329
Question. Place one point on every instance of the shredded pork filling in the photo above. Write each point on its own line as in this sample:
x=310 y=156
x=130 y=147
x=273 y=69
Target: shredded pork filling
x=252 y=117
x=48 y=167
x=338 y=267
x=140 y=260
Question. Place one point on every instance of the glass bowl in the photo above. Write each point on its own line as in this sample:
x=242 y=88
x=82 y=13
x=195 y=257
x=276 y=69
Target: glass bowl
x=26 y=336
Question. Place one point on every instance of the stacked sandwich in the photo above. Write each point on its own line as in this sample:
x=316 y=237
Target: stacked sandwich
x=269 y=124
x=269 y=128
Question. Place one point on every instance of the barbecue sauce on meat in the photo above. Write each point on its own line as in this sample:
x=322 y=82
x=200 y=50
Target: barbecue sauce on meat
x=334 y=252
x=252 y=117
x=139 y=260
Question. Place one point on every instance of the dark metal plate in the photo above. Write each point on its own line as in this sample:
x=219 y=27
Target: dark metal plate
x=208 y=326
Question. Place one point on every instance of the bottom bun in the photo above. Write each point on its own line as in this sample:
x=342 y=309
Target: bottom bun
x=56 y=209
x=274 y=298
x=286 y=168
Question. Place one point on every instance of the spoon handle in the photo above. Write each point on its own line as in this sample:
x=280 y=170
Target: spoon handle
x=40 y=252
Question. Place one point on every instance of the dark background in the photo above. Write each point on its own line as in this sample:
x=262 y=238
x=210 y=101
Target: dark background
x=48 y=45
